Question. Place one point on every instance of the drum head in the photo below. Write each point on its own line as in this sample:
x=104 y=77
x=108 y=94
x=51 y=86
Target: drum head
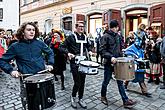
x=38 y=78
x=89 y=63
x=125 y=59
x=142 y=60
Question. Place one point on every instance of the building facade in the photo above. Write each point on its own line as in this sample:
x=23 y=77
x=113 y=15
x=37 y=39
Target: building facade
x=9 y=14
x=63 y=14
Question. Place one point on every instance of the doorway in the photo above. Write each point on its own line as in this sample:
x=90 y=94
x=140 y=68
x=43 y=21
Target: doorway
x=134 y=18
x=94 y=22
x=48 y=25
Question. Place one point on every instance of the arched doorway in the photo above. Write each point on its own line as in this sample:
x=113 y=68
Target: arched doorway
x=94 y=22
x=132 y=15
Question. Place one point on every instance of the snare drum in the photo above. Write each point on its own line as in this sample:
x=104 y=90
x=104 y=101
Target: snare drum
x=40 y=92
x=142 y=64
x=88 y=67
x=124 y=68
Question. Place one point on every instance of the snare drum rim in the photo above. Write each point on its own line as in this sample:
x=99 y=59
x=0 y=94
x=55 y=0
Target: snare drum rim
x=125 y=59
x=89 y=65
x=27 y=80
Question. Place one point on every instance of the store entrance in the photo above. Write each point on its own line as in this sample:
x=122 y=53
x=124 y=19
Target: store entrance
x=134 y=18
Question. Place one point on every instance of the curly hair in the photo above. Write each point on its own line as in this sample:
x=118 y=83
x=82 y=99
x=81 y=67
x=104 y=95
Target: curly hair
x=21 y=29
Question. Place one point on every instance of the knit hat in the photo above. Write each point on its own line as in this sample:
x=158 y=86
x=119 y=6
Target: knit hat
x=113 y=23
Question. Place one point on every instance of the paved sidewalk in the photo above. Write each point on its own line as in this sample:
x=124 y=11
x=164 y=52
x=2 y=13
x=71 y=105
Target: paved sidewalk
x=10 y=99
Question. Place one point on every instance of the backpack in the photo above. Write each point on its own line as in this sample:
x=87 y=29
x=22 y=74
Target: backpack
x=162 y=48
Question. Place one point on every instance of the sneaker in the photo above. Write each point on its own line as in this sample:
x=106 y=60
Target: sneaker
x=82 y=103
x=73 y=102
x=104 y=100
x=129 y=103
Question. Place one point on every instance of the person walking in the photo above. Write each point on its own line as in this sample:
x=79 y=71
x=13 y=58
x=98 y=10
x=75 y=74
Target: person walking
x=97 y=41
x=136 y=51
x=60 y=58
x=28 y=54
x=71 y=47
x=110 y=49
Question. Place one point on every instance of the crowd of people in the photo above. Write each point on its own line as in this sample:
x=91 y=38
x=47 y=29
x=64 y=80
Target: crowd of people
x=33 y=53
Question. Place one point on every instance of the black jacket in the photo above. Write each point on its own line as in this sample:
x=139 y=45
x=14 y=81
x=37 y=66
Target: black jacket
x=110 y=46
x=70 y=45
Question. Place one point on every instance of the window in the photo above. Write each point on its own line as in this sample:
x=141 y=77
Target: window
x=1 y=13
x=24 y=2
x=35 y=0
x=67 y=23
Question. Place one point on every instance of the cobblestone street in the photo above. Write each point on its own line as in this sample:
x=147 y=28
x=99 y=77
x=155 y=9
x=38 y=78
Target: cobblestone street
x=10 y=99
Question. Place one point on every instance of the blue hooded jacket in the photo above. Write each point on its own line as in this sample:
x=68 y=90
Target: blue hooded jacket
x=135 y=51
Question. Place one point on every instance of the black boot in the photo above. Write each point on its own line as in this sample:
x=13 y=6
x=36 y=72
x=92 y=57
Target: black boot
x=150 y=80
x=163 y=86
x=56 y=79
x=62 y=87
x=157 y=81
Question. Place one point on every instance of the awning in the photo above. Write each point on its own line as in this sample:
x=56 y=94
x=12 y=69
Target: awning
x=156 y=24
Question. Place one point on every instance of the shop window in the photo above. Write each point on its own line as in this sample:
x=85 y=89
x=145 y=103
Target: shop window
x=67 y=23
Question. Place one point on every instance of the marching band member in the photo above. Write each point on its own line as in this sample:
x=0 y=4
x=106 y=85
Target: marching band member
x=28 y=53
x=72 y=49
x=136 y=51
x=110 y=49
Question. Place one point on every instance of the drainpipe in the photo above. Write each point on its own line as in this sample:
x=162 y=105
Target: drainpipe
x=19 y=12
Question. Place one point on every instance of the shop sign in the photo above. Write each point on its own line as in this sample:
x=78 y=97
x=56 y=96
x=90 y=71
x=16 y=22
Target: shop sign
x=67 y=10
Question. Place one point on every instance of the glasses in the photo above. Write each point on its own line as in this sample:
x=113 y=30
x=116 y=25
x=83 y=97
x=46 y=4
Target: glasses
x=81 y=26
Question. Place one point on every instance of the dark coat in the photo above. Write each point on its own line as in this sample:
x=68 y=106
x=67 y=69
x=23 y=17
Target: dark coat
x=70 y=45
x=60 y=61
x=28 y=55
x=110 y=46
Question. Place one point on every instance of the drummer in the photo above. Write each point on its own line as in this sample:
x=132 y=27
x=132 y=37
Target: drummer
x=136 y=51
x=110 y=48
x=28 y=53
x=72 y=49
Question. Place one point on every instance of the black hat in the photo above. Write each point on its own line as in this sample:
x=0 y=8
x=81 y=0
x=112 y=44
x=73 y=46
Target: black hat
x=113 y=23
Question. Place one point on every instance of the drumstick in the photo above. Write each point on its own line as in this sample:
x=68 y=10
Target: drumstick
x=46 y=70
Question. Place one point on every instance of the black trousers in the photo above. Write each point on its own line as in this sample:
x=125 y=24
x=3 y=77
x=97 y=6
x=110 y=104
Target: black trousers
x=163 y=73
x=79 y=80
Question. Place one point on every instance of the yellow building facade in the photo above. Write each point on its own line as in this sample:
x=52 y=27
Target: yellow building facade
x=63 y=14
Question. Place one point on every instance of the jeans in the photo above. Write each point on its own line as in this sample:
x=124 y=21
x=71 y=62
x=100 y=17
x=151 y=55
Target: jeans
x=108 y=69
x=79 y=80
